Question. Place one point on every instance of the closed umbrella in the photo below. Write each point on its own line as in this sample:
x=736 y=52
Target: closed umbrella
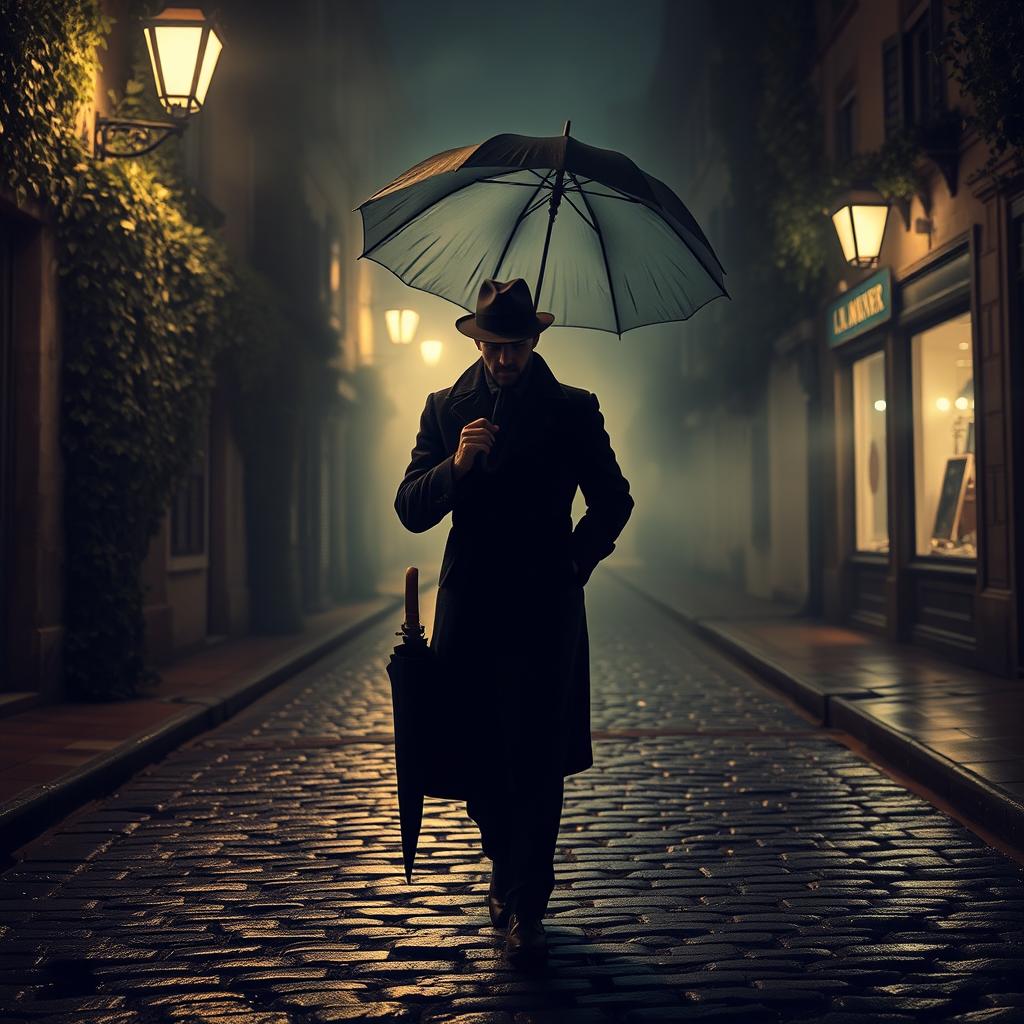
x=426 y=738
x=610 y=247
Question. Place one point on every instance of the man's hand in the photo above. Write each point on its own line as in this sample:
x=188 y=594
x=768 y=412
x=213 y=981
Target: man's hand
x=477 y=436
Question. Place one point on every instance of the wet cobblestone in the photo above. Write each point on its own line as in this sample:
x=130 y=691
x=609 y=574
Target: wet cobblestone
x=723 y=860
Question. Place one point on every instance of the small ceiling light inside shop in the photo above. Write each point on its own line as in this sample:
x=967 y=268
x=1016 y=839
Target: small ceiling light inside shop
x=942 y=404
x=859 y=218
x=961 y=403
x=880 y=404
x=431 y=352
x=402 y=324
x=183 y=49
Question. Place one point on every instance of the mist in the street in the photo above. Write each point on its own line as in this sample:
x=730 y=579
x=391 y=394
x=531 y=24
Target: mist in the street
x=465 y=77
x=511 y=514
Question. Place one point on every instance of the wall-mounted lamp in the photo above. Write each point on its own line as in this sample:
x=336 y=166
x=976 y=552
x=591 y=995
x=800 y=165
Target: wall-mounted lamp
x=859 y=217
x=401 y=324
x=431 y=352
x=183 y=50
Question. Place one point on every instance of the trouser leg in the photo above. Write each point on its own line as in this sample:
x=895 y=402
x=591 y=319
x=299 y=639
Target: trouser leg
x=534 y=812
x=518 y=832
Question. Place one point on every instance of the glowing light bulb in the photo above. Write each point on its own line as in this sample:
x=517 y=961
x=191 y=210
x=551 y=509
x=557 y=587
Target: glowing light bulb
x=880 y=405
x=942 y=404
x=431 y=352
x=961 y=403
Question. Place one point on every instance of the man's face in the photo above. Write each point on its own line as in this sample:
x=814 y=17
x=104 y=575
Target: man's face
x=507 y=359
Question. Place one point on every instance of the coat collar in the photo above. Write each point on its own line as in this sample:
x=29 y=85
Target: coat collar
x=470 y=397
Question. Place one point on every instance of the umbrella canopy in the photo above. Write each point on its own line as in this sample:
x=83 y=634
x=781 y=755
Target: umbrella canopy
x=625 y=251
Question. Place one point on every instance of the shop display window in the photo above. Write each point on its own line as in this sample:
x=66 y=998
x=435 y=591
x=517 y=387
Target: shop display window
x=944 y=470
x=871 y=493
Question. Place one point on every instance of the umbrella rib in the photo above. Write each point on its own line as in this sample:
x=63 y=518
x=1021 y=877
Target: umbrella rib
x=523 y=214
x=586 y=220
x=498 y=181
x=604 y=256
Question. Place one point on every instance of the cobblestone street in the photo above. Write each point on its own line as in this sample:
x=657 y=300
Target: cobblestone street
x=723 y=859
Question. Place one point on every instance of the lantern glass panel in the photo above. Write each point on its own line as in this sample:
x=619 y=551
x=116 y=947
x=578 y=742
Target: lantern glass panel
x=210 y=57
x=410 y=321
x=844 y=229
x=869 y=228
x=177 y=46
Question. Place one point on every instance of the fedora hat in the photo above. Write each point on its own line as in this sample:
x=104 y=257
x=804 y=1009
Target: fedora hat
x=504 y=312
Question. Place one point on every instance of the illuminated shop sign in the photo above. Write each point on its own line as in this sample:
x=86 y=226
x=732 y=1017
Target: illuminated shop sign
x=863 y=307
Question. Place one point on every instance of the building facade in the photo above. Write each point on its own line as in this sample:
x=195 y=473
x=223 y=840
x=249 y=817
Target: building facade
x=853 y=450
x=264 y=529
x=920 y=371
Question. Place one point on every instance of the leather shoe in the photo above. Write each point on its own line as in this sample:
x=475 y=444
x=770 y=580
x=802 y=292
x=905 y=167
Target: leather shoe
x=498 y=907
x=525 y=941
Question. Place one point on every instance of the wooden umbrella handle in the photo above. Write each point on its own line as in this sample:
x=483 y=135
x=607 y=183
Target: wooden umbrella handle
x=412 y=596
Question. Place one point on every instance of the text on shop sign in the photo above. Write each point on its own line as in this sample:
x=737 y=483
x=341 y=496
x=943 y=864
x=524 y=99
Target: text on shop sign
x=861 y=308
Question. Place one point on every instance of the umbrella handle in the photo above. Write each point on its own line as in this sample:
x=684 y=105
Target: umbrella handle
x=412 y=598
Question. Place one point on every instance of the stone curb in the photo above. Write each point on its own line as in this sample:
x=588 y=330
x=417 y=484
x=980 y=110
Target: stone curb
x=32 y=812
x=978 y=800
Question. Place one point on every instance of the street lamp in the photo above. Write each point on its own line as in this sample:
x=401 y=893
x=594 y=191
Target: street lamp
x=431 y=352
x=402 y=324
x=183 y=50
x=859 y=218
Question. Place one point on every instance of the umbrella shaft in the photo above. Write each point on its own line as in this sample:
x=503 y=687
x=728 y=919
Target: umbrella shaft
x=556 y=198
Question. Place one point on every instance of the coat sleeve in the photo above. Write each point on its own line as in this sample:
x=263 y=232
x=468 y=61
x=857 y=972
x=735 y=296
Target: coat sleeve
x=606 y=491
x=427 y=491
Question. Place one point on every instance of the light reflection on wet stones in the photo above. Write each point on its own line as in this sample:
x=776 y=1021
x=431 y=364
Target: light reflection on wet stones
x=755 y=871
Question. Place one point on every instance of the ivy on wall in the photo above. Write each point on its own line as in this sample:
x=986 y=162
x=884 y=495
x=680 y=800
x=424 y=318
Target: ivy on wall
x=789 y=131
x=984 y=50
x=142 y=288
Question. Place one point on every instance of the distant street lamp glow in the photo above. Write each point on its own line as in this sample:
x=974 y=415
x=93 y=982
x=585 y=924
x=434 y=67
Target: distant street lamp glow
x=859 y=220
x=183 y=50
x=431 y=352
x=402 y=324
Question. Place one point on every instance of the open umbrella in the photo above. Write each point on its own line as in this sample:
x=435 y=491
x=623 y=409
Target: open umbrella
x=628 y=254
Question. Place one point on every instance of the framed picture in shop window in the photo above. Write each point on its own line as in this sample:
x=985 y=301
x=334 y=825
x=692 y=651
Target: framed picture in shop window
x=959 y=473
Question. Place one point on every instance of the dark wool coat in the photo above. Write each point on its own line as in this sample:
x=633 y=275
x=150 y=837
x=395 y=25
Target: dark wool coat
x=510 y=631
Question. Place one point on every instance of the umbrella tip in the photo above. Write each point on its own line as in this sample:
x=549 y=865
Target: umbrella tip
x=565 y=130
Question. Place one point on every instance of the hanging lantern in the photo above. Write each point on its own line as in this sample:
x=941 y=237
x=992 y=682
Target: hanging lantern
x=859 y=218
x=431 y=352
x=401 y=324
x=183 y=49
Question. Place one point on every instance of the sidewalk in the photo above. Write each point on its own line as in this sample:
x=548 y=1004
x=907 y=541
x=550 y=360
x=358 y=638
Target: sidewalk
x=54 y=758
x=956 y=730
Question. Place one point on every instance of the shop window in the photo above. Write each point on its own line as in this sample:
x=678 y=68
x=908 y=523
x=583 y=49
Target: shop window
x=871 y=492
x=944 y=471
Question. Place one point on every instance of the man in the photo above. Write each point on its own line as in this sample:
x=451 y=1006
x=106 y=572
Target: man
x=504 y=449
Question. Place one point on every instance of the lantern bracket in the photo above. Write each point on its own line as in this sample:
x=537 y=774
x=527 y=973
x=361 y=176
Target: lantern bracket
x=127 y=137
